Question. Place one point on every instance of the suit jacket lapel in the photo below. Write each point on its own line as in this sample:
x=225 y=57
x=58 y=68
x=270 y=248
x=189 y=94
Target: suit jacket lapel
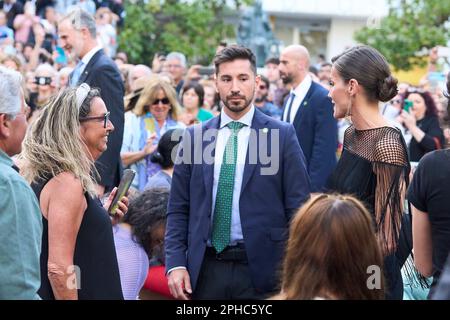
x=87 y=69
x=258 y=124
x=208 y=168
x=305 y=103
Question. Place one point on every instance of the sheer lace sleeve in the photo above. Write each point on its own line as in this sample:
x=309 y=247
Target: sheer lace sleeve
x=391 y=168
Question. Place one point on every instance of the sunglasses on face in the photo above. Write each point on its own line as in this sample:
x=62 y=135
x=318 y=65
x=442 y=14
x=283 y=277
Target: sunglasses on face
x=163 y=101
x=104 y=118
x=262 y=87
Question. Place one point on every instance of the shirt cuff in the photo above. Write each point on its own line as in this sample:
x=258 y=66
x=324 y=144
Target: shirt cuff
x=176 y=268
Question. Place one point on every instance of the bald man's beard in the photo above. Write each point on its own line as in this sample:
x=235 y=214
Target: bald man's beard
x=286 y=78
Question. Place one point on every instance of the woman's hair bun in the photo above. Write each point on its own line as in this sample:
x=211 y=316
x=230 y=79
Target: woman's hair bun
x=157 y=158
x=387 y=89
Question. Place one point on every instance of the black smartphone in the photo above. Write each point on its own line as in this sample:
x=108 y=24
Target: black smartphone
x=122 y=189
x=206 y=71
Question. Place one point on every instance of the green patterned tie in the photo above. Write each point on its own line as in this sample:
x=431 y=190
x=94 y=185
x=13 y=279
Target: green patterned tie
x=224 y=198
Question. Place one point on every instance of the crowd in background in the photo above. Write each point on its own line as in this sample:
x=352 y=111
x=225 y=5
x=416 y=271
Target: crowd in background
x=161 y=100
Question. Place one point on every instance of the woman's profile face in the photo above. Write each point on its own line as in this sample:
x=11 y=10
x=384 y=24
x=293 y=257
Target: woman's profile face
x=93 y=130
x=339 y=95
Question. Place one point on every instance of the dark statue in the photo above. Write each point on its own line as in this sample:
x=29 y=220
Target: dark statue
x=254 y=32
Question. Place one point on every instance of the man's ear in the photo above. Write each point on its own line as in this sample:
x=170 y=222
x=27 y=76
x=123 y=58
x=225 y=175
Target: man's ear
x=5 y=126
x=85 y=32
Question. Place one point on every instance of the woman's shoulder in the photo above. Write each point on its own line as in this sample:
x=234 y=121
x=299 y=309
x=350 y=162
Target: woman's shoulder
x=65 y=183
x=390 y=147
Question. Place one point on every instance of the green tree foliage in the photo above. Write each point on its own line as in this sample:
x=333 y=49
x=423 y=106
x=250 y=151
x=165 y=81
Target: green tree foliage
x=193 y=27
x=412 y=27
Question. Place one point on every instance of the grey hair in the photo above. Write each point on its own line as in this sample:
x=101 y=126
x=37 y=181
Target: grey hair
x=80 y=18
x=46 y=69
x=179 y=56
x=10 y=88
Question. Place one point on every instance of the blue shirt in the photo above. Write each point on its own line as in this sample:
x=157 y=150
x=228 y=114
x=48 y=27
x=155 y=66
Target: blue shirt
x=20 y=236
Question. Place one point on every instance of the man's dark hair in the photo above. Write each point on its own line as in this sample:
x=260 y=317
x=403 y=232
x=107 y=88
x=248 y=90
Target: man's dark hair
x=232 y=53
x=273 y=60
x=265 y=80
x=326 y=64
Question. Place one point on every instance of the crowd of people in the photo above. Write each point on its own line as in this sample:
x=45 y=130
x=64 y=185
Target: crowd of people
x=286 y=182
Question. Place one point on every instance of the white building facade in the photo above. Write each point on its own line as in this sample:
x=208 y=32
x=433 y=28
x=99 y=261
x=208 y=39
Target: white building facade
x=324 y=26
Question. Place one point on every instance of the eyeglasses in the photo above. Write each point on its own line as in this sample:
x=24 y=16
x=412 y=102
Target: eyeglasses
x=104 y=118
x=163 y=101
x=173 y=66
x=396 y=101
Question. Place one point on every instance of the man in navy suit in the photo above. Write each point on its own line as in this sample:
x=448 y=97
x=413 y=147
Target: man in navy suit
x=238 y=180
x=77 y=34
x=310 y=110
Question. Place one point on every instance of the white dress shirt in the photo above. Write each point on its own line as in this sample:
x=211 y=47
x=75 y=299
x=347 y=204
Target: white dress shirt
x=88 y=56
x=300 y=93
x=222 y=139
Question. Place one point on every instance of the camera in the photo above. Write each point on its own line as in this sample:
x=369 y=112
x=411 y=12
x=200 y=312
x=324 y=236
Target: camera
x=206 y=71
x=42 y=81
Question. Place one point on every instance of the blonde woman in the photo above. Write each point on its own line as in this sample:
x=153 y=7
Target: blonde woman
x=156 y=112
x=78 y=259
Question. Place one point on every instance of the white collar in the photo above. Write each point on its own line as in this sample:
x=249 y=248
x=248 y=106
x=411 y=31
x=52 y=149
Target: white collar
x=88 y=56
x=303 y=87
x=246 y=118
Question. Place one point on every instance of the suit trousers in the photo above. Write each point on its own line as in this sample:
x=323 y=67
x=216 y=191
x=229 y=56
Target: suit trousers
x=225 y=276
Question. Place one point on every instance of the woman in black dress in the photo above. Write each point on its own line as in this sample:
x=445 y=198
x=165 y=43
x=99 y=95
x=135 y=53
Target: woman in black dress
x=374 y=165
x=78 y=258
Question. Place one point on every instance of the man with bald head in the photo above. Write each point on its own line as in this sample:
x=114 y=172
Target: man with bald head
x=310 y=110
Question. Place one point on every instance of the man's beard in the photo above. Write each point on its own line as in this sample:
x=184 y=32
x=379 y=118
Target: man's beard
x=286 y=78
x=237 y=108
x=261 y=98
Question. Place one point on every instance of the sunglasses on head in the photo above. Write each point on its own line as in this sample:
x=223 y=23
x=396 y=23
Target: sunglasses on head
x=163 y=101
x=104 y=118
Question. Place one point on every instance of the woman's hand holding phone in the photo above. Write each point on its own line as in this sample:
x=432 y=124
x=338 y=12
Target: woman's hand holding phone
x=122 y=208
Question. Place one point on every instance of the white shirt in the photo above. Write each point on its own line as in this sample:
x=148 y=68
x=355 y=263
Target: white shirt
x=222 y=139
x=88 y=56
x=300 y=93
